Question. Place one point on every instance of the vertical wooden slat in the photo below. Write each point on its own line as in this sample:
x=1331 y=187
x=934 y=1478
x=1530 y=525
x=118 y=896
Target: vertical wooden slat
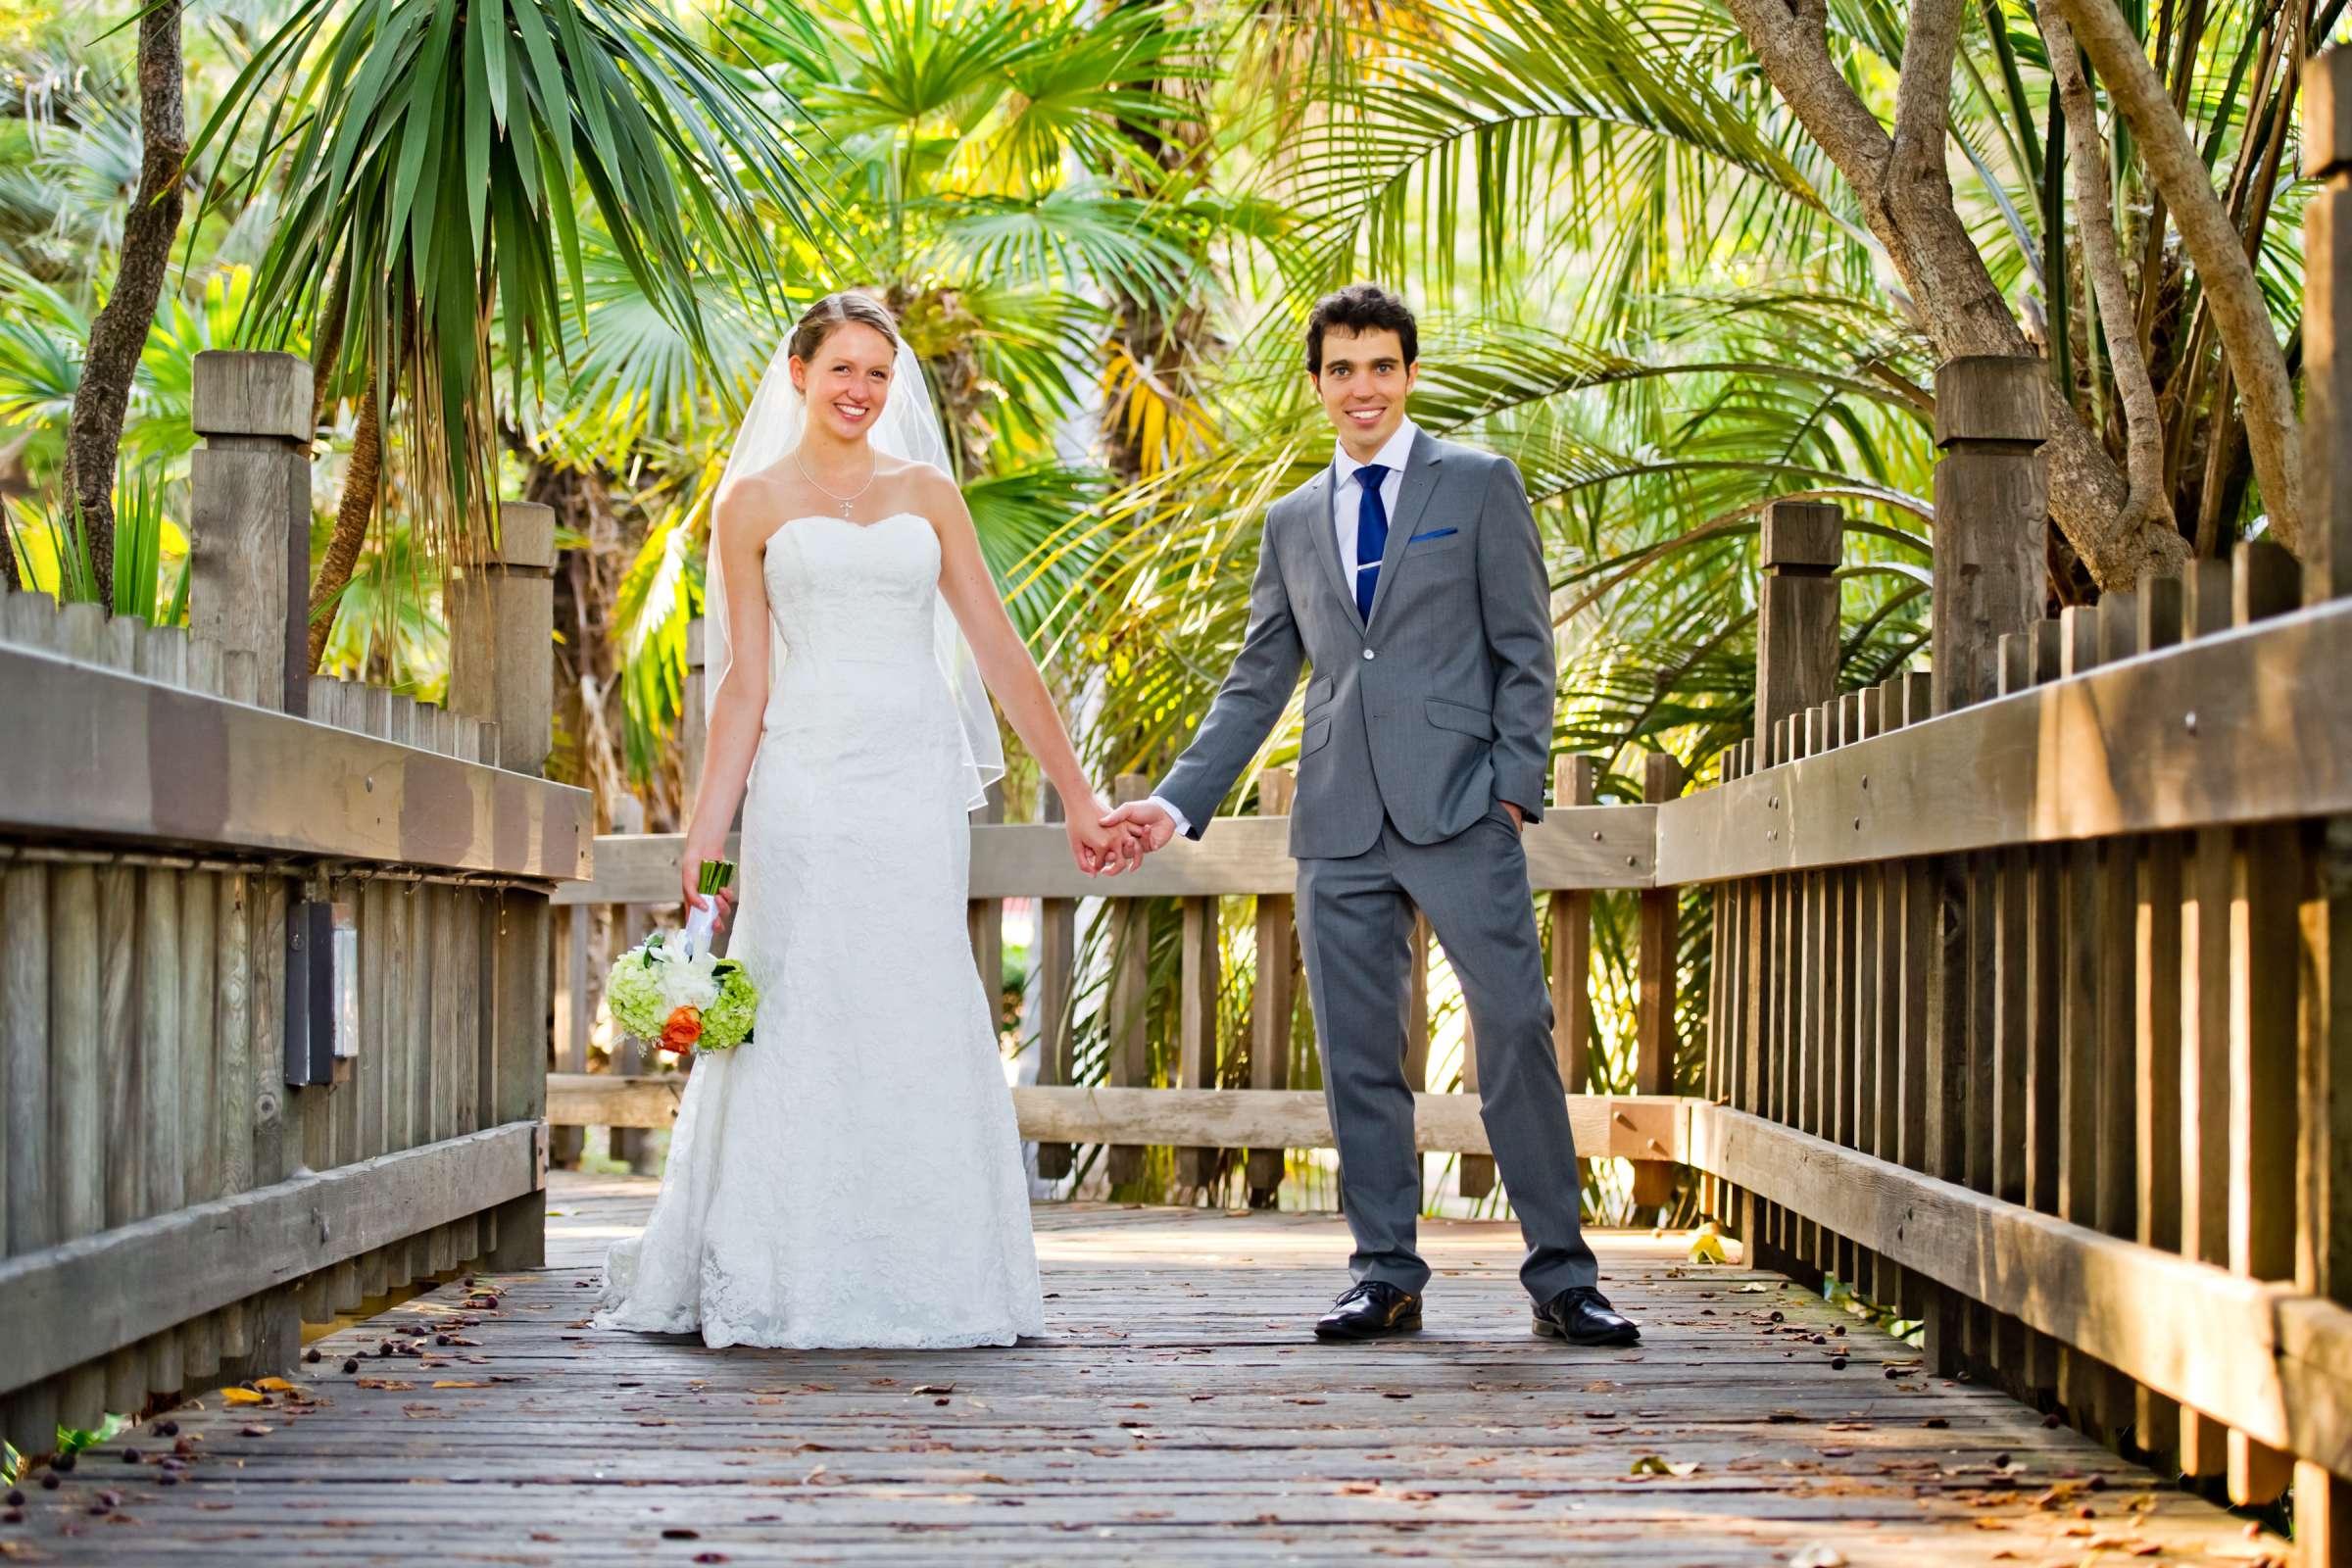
x=2263 y=1048
x=522 y=931
x=125 y=1151
x=28 y=1177
x=1130 y=1039
x=1274 y=994
x=2323 y=1255
x=232 y=1078
x=163 y=1178
x=378 y=997
x=985 y=918
x=1056 y=968
x=1199 y=984
x=1655 y=1037
x=198 y=1089
x=1569 y=914
x=274 y=1322
x=1921 y=913
x=76 y=1092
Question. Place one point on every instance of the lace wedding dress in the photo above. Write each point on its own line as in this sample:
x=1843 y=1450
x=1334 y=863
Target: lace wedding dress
x=852 y=1176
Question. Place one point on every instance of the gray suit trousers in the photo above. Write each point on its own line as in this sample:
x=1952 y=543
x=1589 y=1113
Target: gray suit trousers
x=1355 y=922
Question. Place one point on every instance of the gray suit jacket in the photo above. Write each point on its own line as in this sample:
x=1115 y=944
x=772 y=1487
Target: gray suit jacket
x=1437 y=707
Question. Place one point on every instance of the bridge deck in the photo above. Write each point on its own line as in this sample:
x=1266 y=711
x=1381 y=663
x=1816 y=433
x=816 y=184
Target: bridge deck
x=1176 y=1412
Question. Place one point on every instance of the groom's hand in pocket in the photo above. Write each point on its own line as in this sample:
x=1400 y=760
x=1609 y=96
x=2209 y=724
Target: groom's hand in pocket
x=1518 y=818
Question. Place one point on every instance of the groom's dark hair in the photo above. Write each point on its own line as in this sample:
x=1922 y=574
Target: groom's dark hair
x=1360 y=307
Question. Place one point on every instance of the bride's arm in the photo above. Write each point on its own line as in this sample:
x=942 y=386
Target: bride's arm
x=738 y=532
x=1011 y=673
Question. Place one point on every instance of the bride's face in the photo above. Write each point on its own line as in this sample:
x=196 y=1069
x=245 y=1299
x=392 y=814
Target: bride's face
x=846 y=380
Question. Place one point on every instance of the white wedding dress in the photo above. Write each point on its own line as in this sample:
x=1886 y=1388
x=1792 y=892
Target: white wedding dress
x=851 y=1176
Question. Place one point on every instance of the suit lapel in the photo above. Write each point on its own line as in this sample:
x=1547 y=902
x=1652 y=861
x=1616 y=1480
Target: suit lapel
x=1413 y=499
x=1326 y=541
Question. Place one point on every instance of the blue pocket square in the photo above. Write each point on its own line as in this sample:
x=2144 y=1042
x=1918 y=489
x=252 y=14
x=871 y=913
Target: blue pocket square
x=1434 y=533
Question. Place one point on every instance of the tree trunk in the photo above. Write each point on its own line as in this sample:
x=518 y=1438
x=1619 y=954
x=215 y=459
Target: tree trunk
x=119 y=337
x=2218 y=251
x=353 y=513
x=1906 y=199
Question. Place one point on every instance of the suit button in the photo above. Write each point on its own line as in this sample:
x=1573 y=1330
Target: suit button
x=1368 y=652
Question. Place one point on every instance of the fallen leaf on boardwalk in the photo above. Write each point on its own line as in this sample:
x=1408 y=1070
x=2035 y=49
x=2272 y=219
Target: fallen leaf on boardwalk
x=1651 y=1464
x=1818 y=1555
x=461 y=1383
x=385 y=1383
x=1750 y=1290
x=240 y=1397
x=1706 y=1244
x=273 y=1385
x=935 y=1387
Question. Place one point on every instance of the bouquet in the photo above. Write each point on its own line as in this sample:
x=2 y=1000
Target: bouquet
x=673 y=992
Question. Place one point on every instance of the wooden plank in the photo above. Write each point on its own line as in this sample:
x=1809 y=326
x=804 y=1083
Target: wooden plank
x=82 y=1297
x=163 y=1176
x=1568 y=914
x=28 y=1185
x=1199 y=984
x=2108 y=754
x=232 y=1081
x=1226 y=1428
x=1273 y=996
x=182 y=768
x=1606 y=1126
x=1129 y=1023
x=986 y=916
x=1657 y=1039
x=2262 y=1065
x=1057 y=975
x=199 y=1086
x=1591 y=847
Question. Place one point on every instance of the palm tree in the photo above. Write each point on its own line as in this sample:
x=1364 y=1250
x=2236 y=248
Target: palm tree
x=437 y=165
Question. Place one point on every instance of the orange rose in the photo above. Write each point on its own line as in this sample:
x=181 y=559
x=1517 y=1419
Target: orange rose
x=682 y=1030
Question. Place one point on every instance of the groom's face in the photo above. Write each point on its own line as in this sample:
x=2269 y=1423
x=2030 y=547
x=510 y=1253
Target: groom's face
x=1363 y=385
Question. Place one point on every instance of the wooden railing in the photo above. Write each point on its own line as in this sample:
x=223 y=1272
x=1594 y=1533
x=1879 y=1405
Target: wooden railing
x=273 y=950
x=1219 y=1093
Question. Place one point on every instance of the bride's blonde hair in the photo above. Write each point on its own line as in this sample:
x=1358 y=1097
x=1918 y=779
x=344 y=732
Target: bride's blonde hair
x=835 y=312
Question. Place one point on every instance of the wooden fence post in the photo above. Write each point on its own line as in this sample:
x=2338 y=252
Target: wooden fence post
x=502 y=658
x=1654 y=1034
x=1991 y=506
x=2324 y=1245
x=249 y=516
x=502 y=671
x=1796 y=616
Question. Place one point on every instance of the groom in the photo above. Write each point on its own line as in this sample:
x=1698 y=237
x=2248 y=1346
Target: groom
x=1409 y=574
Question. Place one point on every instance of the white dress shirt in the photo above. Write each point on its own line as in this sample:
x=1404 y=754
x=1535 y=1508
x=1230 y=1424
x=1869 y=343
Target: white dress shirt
x=1346 y=510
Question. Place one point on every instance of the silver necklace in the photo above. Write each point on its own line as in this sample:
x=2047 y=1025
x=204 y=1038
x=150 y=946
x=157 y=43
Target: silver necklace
x=849 y=500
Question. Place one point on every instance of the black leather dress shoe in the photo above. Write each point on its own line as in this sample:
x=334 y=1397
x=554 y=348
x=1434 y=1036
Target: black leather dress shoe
x=1369 y=1310
x=1582 y=1315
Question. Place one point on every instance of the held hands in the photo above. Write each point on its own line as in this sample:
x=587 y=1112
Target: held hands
x=1100 y=847
x=1150 y=827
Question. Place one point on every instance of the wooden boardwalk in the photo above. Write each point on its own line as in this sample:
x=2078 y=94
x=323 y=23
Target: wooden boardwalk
x=1177 y=1413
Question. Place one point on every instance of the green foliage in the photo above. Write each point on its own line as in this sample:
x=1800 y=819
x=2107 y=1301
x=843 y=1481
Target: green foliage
x=436 y=163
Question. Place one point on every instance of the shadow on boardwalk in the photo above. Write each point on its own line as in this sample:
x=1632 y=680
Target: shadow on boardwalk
x=1177 y=1413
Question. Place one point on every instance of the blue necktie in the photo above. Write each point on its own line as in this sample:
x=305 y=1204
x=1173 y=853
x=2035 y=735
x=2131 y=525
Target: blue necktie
x=1371 y=537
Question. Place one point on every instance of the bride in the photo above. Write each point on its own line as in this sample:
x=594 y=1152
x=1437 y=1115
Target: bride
x=851 y=1177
